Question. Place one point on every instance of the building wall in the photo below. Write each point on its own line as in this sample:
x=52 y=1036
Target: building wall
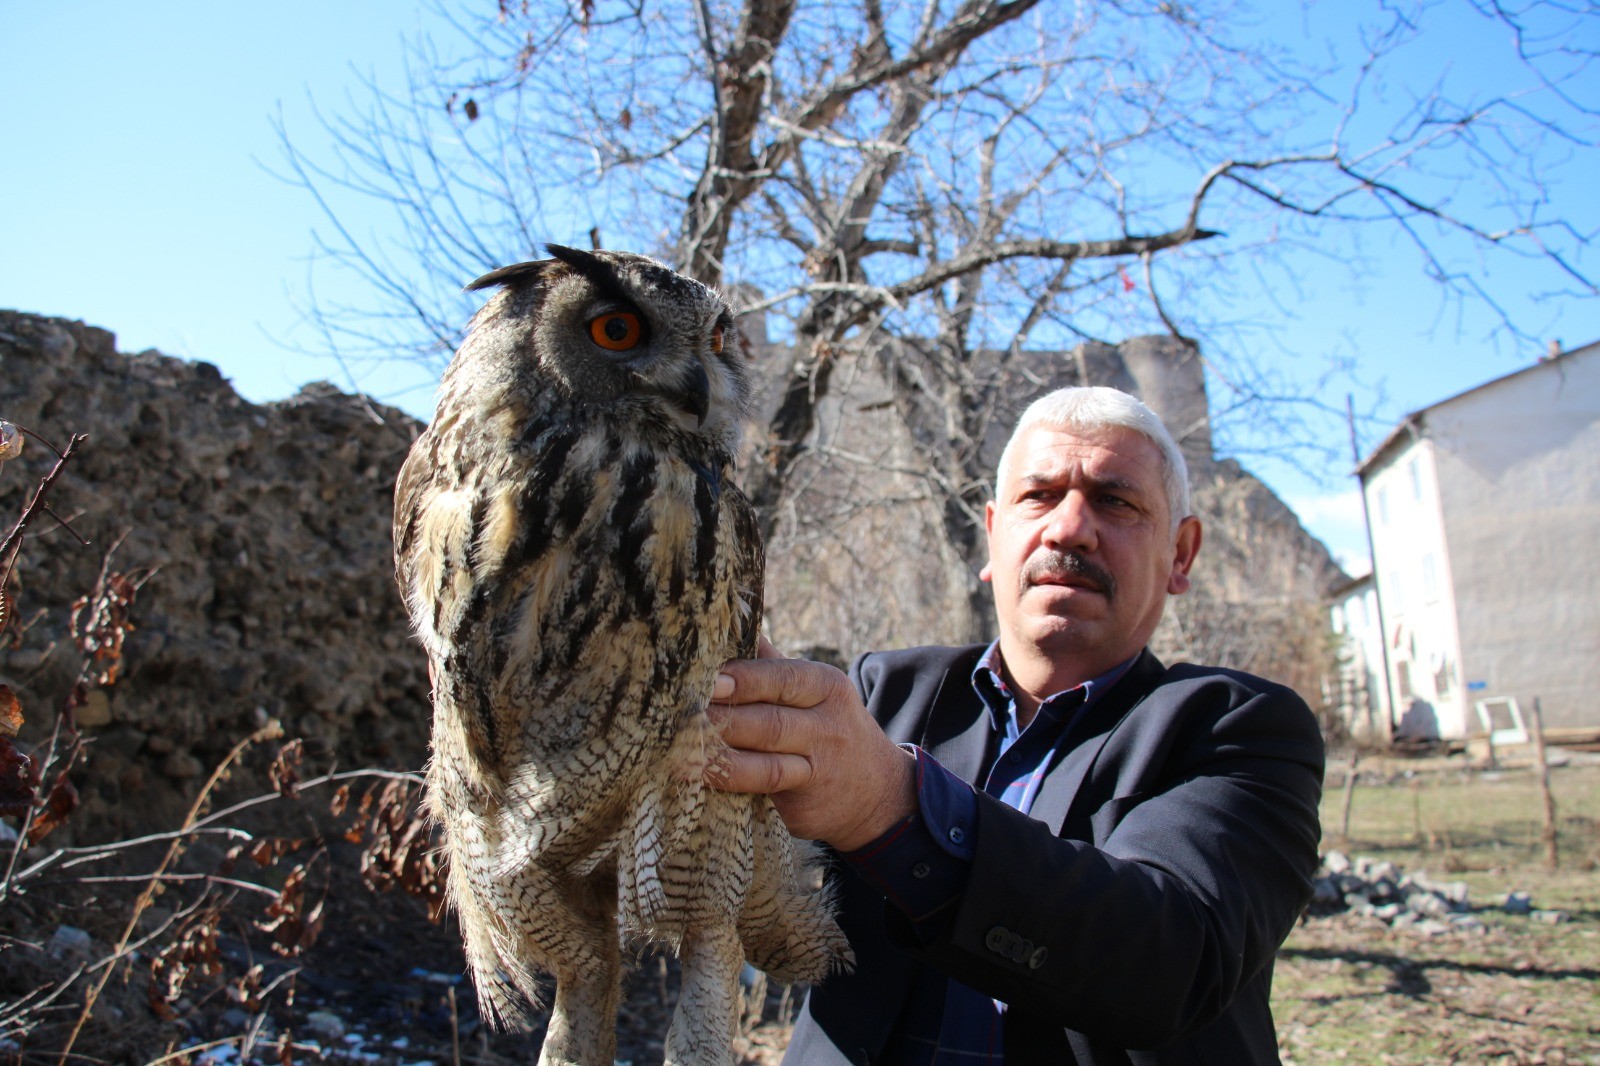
x=1363 y=698
x=1518 y=466
x=1413 y=574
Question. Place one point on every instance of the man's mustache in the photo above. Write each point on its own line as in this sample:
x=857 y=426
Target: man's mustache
x=1048 y=564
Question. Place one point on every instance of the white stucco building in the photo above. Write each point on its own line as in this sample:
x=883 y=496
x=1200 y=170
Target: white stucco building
x=1358 y=686
x=1485 y=518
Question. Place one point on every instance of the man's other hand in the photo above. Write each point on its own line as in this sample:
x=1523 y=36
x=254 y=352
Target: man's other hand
x=797 y=731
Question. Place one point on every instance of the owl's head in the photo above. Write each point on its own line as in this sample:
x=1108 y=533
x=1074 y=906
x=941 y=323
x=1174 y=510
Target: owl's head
x=621 y=332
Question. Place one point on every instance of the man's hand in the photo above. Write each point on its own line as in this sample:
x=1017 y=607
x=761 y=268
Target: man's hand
x=797 y=731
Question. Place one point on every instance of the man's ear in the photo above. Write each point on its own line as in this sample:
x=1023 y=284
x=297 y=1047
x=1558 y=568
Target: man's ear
x=1187 y=547
x=987 y=573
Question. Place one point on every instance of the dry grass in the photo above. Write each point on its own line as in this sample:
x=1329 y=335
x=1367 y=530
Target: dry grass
x=1350 y=990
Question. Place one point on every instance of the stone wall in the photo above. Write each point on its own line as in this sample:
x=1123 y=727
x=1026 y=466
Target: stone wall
x=268 y=530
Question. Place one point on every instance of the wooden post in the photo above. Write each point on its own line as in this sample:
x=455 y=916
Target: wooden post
x=1416 y=813
x=1542 y=771
x=1349 y=794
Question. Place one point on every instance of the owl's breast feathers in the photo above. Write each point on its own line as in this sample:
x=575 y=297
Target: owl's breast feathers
x=579 y=590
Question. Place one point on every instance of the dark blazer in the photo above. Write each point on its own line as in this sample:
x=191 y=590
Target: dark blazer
x=1133 y=915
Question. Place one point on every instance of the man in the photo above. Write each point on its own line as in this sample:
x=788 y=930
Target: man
x=1055 y=849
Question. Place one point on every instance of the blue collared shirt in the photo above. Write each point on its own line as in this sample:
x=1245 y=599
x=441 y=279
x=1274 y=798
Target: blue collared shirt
x=922 y=864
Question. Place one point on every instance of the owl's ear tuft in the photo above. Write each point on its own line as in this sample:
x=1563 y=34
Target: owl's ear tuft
x=600 y=273
x=511 y=275
x=576 y=258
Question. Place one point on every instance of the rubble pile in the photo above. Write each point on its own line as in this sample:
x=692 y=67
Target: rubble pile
x=1415 y=903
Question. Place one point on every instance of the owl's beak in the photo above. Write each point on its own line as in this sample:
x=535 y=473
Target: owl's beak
x=695 y=393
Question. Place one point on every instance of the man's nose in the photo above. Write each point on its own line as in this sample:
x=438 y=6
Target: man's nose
x=1071 y=526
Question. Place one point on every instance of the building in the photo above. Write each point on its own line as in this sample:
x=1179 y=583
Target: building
x=1484 y=510
x=1357 y=686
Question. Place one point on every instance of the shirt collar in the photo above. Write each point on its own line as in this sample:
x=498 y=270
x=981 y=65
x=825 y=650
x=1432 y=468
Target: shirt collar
x=989 y=682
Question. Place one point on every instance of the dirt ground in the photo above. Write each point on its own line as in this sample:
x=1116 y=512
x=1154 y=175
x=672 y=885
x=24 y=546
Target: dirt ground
x=1525 y=990
x=383 y=986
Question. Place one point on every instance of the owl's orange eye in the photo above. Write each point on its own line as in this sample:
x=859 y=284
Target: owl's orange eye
x=716 y=340
x=617 y=331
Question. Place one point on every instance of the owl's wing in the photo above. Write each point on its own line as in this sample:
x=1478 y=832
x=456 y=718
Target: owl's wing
x=749 y=566
x=416 y=474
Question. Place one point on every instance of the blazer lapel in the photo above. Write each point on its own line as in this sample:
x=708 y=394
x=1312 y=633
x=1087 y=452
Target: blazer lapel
x=1087 y=737
x=957 y=729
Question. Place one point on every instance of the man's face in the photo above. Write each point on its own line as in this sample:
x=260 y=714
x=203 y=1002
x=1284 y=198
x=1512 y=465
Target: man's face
x=1081 y=549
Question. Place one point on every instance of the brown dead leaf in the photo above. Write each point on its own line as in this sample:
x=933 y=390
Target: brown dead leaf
x=11 y=440
x=10 y=712
x=16 y=781
x=401 y=852
x=294 y=925
x=284 y=773
x=63 y=801
x=193 y=952
x=100 y=621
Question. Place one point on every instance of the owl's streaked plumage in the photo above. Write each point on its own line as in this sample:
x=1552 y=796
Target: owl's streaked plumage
x=578 y=564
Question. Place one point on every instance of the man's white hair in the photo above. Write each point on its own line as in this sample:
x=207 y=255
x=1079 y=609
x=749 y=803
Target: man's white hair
x=1089 y=407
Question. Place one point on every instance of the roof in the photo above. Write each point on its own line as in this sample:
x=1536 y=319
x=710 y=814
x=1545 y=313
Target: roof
x=1347 y=586
x=1411 y=426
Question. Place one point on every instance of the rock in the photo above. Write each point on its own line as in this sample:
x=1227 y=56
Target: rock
x=181 y=766
x=1336 y=862
x=326 y=1025
x=1517 y=903
x=69 y=943
x=1428 y=905
x=1549 y=917
x=96 y=710
x=234 y=1020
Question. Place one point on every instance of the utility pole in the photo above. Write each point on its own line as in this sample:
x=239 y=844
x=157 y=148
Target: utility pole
x=1372 y=560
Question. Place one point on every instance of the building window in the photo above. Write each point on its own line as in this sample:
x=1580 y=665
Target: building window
x=1396 y=601
x=1402 y=679
x=1430 y=579
x=1414 y=468
x=1383 y=506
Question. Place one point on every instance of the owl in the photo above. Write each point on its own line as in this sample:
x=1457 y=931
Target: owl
x=577 y=564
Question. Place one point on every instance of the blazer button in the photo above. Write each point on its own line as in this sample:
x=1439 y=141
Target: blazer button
x=998 y=940
x=957 y=834
x=1036 y=960
x=921 y=870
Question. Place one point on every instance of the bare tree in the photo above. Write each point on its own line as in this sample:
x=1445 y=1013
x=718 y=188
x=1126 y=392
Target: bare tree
x=941 y=188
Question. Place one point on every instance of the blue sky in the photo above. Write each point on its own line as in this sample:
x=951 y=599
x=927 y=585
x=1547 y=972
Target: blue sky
x=137 y=194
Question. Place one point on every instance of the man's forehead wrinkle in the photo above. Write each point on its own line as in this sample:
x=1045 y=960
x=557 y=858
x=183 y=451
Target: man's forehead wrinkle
x=1052 y=474
x=1107 y=469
